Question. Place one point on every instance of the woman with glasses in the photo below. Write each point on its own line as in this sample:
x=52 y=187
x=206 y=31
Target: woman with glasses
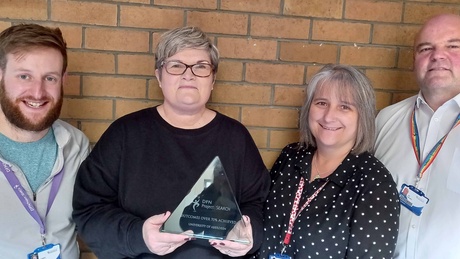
x=146 y=163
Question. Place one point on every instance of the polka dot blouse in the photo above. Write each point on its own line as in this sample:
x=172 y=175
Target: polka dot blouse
x=355 y=215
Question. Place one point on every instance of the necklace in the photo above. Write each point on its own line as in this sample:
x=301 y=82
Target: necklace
x=318 y=174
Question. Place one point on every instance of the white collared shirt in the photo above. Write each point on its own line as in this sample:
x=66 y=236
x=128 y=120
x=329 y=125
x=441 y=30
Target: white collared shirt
x=436 y=233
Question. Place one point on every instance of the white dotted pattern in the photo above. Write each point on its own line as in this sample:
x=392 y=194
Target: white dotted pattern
x=354 y=216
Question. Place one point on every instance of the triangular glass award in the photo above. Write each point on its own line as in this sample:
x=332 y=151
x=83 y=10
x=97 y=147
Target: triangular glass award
x=210 y=209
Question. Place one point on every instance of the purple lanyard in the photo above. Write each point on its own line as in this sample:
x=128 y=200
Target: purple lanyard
x=24 y=198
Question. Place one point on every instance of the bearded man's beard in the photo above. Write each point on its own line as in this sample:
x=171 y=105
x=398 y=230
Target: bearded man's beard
x=15 y=116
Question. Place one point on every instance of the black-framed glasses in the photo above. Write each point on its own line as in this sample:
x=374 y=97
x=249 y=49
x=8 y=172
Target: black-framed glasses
x=179 y=68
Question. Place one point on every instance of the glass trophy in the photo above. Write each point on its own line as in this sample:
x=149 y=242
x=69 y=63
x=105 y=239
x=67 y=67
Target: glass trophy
x=210 y=209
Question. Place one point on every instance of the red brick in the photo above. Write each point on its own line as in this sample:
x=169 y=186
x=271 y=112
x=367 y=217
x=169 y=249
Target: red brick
x=370 y=10
x=274 y=73
x=24 y=9
x=315 y=8
x=84 y=12
x=114 y=87
x=260 y=137
x=230 y=70
x=230 y=111
x=419 y=13
x=93 y=130
x=136 y=64
x=383 y=99
x=154 y=90
x=134 y=1
x=247 y=48
x=241 y=94
x=72 y=85
x=257 y=6
x=406 y=58
x=446 y=1
x=341 y=31
x=201 y=4
x=149 y=17
x=397 y=97
x=280 y=138
x=312 y=70
x=273 y=117
x=90 y=62
x=215 y=22
x=269 y=157
x=4 y=25
x=306 y=52
x=72 y=35
x=87 y=109
x=116 y=39
x=289 y=96
x=368 y=56
x=280 y=27
x=394 y=34
x=124 y=107
x=392 y=79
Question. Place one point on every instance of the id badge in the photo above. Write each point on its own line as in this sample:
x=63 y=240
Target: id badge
x=279 y=256
x=49 y=251
x=412 y=198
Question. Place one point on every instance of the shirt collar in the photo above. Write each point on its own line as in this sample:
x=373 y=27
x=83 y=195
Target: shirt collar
x=421 y=101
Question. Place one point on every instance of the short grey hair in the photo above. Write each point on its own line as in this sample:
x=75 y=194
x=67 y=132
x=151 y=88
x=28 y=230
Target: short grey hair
x=350 y=82
x=176 y=40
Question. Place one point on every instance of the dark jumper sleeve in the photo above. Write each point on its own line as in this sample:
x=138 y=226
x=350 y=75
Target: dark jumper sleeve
x=101 y=222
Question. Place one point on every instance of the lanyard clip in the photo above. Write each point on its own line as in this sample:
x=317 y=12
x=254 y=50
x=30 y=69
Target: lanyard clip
x=283 y=250
x=43 y=240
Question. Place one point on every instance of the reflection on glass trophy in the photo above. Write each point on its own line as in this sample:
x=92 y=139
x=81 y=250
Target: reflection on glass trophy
x=210 y=209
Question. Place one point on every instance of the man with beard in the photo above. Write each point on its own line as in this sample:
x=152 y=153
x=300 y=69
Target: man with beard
x=418 y=140
x=39 y=154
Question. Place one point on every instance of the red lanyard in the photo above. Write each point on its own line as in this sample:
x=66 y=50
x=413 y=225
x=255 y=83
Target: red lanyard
x=295 y=212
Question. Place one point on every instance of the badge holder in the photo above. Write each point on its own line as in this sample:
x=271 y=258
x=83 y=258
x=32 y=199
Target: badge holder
x=49 y=251
x=413 y=199
x=279 y=256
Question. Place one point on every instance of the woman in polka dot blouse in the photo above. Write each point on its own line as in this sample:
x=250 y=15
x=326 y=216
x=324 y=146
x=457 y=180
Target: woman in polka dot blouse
x=330 y=197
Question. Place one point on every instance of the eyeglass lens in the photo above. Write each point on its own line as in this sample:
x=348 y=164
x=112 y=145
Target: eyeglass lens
x=179 y=68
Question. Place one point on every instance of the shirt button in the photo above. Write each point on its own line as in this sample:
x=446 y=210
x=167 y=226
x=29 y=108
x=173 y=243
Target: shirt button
x=436 y=119
x=413 y=226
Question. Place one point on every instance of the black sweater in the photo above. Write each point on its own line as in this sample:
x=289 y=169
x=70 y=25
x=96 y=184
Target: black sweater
x=143 y=166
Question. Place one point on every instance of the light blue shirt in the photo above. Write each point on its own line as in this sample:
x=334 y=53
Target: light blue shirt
x=36 y=159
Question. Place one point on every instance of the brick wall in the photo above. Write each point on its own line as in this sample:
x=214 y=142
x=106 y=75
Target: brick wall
x=269 y=50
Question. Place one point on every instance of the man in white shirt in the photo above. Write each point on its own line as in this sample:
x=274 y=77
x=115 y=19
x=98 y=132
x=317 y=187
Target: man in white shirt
x=418 y=139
